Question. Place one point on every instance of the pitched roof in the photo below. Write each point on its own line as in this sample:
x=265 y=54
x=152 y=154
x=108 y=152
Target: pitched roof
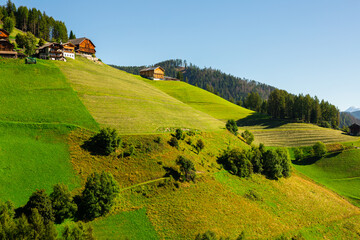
x=151 y=68
x=77 y=41
x=3 y=30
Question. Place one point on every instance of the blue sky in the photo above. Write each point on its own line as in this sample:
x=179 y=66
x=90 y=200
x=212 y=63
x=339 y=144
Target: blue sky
x=301 y=46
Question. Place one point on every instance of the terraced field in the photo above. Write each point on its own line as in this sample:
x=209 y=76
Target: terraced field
x=283 y=134
x=130 y=105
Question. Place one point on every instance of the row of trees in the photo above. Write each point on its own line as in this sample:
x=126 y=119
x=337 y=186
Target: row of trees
x=282 y=104
x=35 y=220
x=274 y=164
x=225 y=85
x=34 y=21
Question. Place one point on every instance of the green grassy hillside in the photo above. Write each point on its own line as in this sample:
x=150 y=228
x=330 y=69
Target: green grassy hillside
x=39 y=94
x=130 y=105
x=339 y=172
x=38 y=109
x=44 y=124
x=202 y=100
x=279 y=133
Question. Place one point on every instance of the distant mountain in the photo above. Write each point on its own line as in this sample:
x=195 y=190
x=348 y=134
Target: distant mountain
x=352 y=109
x=347 y=119
x=356 y=114
x=225 y=85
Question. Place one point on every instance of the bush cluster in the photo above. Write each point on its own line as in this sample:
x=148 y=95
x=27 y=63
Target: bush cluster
x=318 y=150
x=272 y=163
x=35 y=220
x=232 y=126
x=248 y=136
x=104 y=142
x=187 y=169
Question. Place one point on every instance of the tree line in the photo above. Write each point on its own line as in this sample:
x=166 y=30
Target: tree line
x=33 y=20
x=284 y=105
x=227 y=86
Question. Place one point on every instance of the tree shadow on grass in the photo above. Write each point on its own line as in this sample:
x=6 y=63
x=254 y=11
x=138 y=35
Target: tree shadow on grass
x=171 y=172
x=312 y=160
x=259 y=119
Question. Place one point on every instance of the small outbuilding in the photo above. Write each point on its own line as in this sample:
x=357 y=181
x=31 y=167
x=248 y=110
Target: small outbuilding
x=154 y=73
x=354 y=130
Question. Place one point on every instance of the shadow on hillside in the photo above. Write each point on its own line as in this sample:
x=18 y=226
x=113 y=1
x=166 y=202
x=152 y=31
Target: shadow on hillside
x=171 y=172
x=312 y=160
x=259 y=119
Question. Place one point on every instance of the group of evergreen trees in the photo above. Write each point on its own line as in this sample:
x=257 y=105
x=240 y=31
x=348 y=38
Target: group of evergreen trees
x=284 y=105
x=35 y=220
x=34 y=21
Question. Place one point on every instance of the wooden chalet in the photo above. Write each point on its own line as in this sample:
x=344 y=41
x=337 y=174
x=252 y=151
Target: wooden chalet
x=354 y=130
x=69 y=50
x=155 y=73
x=4 y=34
x=83 y=46
x=6 y=47
x=51 y=51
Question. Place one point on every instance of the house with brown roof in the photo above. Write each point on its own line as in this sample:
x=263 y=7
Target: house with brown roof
x=83 y=46
x=154 y=73
x=6 y=47
x=51 y=51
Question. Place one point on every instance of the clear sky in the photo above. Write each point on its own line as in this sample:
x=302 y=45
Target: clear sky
x=302 y=46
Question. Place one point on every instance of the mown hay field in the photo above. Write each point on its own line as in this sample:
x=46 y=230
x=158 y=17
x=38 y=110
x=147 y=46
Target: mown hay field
x=132 y=106
x=295 y=134
x=202 y=100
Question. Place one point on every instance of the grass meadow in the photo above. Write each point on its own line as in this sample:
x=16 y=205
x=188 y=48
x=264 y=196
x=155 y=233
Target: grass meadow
x=202 y=100
x=125 y=225
x=337 y=171
x=39 y=93
x=132 y=106
x=33 y=157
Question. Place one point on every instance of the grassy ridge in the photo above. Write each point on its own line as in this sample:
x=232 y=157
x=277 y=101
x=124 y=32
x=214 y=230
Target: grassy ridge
x=33 y=157
x=284 y=134
x=202 y=100
x=39 y=94
x=339 y=172
x=130 y=105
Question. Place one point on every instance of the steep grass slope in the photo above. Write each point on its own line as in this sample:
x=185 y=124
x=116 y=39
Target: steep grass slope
x=39 y=94
x=202 y=100
x=339 y=172
x=279 y=133
x=38 y=109
x=130 y=105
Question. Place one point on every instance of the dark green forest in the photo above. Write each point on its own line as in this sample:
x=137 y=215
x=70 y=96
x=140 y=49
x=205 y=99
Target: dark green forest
x=34 y=21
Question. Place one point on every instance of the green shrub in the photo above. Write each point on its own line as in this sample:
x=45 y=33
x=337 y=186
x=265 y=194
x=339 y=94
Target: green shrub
x=158 y=139
x=62 y=203
x=236 y=161
x=299 y=154
x=179 y=134
x=277 y=163
x=78 y=231
x=200 y=145
x=104 y=142
x=187 y=169
x=191 y=133
x=98 y=196
x=255 y=156
x=232 y=126
x=42 y=202
x=319 y=149
x=248 y=136
x=174 y=142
